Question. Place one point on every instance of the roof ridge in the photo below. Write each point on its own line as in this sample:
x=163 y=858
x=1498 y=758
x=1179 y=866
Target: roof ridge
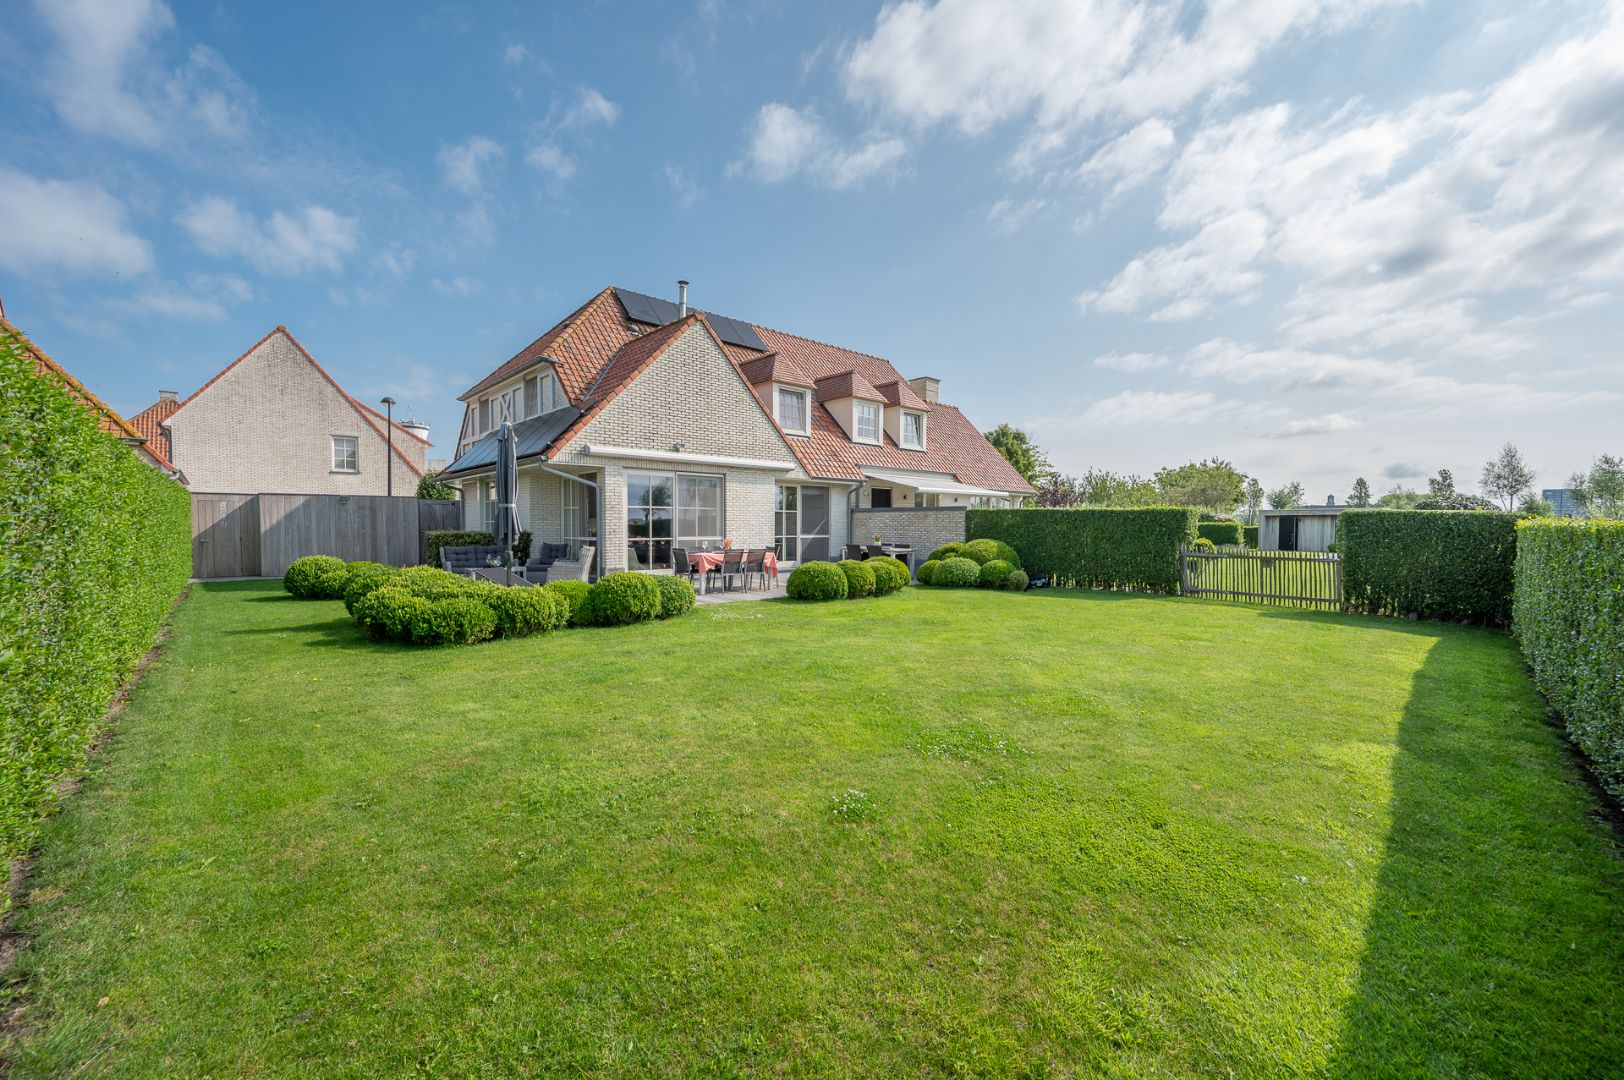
x=564 y=326
x=825 y=344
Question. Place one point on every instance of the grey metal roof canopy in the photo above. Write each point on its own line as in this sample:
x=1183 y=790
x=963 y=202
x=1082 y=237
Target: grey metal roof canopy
x=530 y=437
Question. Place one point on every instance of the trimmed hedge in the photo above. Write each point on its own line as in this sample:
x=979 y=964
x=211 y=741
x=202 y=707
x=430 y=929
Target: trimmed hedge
x=927 y=571
x=1017 y=581
x=859 y=578
x=1249 y=536
x=676 y=596
x=946 y=551
x=1220 y=532
x=1453 y=565
x=571 y=595
x=816 y=580
x=435 y=539
x=1094 y=547
x=95 y=546
x=316 y=577
x=362 y=578
x=1569 y=620
x=958 y=573
x=523 y=611
x=621 y=598
x=889 y=574
x=995 y=572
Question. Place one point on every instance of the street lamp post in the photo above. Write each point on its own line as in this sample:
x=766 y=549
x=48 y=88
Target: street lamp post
x=388 y=404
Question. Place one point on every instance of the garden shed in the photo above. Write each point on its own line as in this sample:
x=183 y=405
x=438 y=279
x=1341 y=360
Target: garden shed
x=1302 y=528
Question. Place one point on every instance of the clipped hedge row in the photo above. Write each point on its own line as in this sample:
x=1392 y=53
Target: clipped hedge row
x=1453 y=565
x=1249 y=536
x=95 y=545
x=1093 y=547
x=849 y=579
x=1220 y=532
x=1568 y=616
x=435 y=539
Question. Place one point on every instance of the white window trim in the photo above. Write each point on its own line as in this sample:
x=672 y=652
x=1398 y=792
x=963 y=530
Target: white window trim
x=806 y=408
x=903 y=430
x=332 y=456
x=857 y=408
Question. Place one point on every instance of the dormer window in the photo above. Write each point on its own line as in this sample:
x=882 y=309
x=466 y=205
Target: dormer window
x=792 y=412
x=866 y=421
x=913 y=430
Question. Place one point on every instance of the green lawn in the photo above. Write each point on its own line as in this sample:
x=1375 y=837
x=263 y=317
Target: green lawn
x=1098 y=834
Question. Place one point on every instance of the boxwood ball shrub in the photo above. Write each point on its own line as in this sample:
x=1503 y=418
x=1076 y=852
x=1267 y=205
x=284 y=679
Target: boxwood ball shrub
x=621 y=598
x=1201 y=543
x=571 y=596
x=435 y=539
x=816 y=580
x=1220 y=532
x=946 y=551
x=676 y=596
x=1017 y=581
x=927 y=571
x=859 y=578
x=1454 y=565
x=889 y=574
x=1568 y=618
x=994 y=572
x=363 y=577
x=985 y=550
x=455 y=620
x=958 y=573
x=522 y=610
x=315 y=577
x=1094 y=547
x=387 y=612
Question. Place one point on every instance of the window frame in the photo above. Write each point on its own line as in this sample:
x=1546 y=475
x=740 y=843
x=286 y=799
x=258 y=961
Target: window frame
x=650 y=479
x=902 y=429
x=806 y=408
x=869 y=410
x=355 y=454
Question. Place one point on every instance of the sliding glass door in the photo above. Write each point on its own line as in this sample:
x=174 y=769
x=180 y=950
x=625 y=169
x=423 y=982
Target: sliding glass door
x=801 y=522
x=666 y=510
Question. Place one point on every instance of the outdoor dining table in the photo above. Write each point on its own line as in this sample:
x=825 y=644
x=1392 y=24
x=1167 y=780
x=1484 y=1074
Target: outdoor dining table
x=704 y=562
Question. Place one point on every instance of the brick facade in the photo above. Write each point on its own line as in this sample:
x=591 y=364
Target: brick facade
x=266 y=424
x=926 y=529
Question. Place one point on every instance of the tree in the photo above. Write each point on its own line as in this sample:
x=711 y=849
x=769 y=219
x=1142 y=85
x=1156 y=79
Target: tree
x=430 y=487
x=1455 y=500
x=1100 y=487
x=1400 y=498
x=1534 y=506
x=1600 y=492
x=1254 y=500
x=1442 y=484
x=1360 y=495
x=1289 y=497
x=1211 y=485
x=1506 y=477
x=1055 y=490
x=1021 y=452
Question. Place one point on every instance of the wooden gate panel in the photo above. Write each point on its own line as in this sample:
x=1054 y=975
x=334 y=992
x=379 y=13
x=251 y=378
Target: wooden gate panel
x=225 y=535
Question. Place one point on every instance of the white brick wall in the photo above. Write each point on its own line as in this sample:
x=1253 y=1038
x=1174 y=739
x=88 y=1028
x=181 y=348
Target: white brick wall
x=267 y=426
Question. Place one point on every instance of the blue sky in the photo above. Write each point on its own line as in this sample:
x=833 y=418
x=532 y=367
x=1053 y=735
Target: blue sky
x=1321 y=239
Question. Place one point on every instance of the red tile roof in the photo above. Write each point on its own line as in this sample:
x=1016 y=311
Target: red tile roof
x=591 y=346
x=848 y=384
x=771 y=367
x=107 y=418
x=149 y=422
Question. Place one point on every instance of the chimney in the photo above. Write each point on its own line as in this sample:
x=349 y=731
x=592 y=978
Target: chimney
x=167 y=395
x=927 y=387
x=1330 y=500
x=682 y=299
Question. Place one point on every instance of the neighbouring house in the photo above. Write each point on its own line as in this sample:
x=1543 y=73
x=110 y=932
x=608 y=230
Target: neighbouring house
x=1302 y=528
x=1565 y=502
x=643 y=426
x=275 y=421
x=153 y=453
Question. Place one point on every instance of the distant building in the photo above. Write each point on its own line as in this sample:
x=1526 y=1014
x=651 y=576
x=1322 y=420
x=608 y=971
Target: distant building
x=1564 y=501
x=1302 y=528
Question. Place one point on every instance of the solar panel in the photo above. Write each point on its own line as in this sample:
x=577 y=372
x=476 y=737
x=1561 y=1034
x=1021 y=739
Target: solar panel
x=656 y=312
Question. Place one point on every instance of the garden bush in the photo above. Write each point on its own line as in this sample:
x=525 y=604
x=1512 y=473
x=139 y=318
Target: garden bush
x=435 y=539
x=571 y=596
x=1249 y=536
x=1220 y=532
x=946 y=551
x=994 y=572
x=889 y=574
x=1094 y=547
x=859 y=578
x=958 y=573
x=363 y=577
x=621 y=598
x=1017 y=581
x=927 y=571
x=521 y=610
x=388 y=612
x=95 y=546
x=1454 y=565
x=1201 y=543
x=315 y=577
x=1568 y=617
x=455 y=620
x=676 y=596
x=985 y=550
x=816 y=581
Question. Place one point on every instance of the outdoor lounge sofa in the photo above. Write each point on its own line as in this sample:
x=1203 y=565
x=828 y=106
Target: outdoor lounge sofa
x=576 y=569
x=462 y=559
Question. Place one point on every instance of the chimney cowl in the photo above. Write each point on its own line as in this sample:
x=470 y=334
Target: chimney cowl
x=682 y=299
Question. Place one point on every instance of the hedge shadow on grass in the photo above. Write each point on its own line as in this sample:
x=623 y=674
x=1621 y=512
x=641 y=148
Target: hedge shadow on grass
x=1484 y=952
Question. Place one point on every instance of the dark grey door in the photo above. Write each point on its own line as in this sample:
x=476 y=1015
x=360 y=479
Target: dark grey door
x=814 y=523
x=1288 y=534
x=879 y=498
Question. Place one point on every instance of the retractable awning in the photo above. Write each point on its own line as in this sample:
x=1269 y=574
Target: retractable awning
x=929 y=483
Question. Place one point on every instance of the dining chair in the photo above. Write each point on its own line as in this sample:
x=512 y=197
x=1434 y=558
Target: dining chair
x=732 y=565
x=854 y=551
x=875 y=551
x=681 y=565
x=755 y=562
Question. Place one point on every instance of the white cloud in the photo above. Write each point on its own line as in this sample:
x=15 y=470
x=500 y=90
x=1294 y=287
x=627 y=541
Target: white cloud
x=787 y=141
x=1135 y=408
x=1217 y=263
x=314 y=238
x=546 y=157
x=68 y=225
x=1136 y=361
x=467 y=166
x=1131 y=159
x=1008 y=215
x=105 y=77
x=459 y=286
x=1403 y=470
x=1315 y=425
x=683 y=187
x=589 y=110
x=515 y=53
x=202 y=297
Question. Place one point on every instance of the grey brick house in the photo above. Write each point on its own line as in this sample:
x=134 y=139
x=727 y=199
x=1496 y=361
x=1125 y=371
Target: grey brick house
x=274 y=420
x=641 y=425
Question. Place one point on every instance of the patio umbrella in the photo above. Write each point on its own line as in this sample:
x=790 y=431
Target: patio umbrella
x=507 y=486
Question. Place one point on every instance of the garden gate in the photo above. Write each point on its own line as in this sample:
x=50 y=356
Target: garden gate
x=1311 y=579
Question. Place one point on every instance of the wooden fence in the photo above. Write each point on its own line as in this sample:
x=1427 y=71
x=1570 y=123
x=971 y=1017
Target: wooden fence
x=1311 y=579
x=235 y=535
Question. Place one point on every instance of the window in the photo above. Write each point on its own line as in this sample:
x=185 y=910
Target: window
x=913 y=430
x=879 y=498
x=346 y=453
x=484 y=415
x=532 y=396
x=792 y=409
x=487 y=506
x=866 y=421
x=801 y=516
x=549 y=393
x=671 y=509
